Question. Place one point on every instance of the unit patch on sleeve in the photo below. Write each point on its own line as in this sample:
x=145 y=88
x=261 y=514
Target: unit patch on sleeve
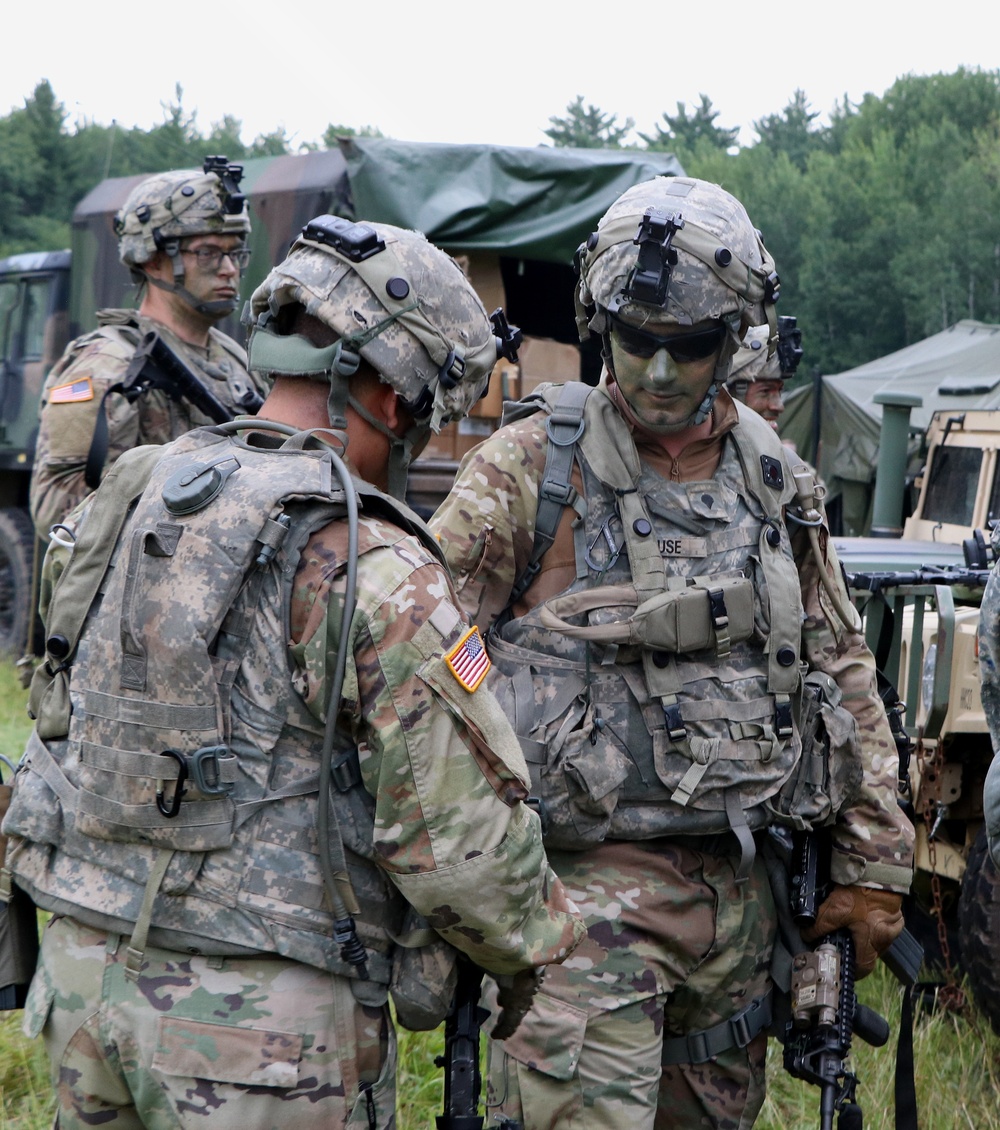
x=468 y=660
x=73 y=392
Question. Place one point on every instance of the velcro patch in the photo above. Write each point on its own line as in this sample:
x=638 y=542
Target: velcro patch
x=468 y=660
x=72 y=393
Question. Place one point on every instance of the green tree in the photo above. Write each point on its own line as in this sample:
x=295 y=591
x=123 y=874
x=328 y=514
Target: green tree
x=791 y=132
x=333 y=131
x=588 y=127
x=686 y=132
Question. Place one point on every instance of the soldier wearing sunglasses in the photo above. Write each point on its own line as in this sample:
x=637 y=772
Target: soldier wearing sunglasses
x=640 y=558
x=183 y=235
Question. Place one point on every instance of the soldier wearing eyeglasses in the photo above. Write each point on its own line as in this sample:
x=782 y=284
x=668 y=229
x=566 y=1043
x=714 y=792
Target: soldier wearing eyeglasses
x=182 y=234
x=652 y=572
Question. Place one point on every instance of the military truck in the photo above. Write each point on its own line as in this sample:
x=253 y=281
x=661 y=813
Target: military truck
x=920 y=595
x=513 y=216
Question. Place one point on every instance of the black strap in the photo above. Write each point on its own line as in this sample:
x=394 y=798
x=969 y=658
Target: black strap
x=564 y=428
x=736 y=1032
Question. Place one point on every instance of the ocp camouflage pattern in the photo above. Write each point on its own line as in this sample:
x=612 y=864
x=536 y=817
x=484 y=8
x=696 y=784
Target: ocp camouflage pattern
x=102 y=357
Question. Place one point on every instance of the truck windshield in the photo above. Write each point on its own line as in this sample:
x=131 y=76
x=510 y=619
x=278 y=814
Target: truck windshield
x=953 y=481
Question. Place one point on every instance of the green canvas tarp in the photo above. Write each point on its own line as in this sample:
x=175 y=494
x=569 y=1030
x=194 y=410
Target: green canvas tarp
x=532 y=204
x=954 y=370
x=522 y=203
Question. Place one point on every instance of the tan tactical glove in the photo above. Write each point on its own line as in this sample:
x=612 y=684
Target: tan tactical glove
x=875 y=919
x=514 y=998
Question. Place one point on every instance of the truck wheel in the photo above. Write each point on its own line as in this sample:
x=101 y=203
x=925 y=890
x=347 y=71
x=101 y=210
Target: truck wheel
x=979 y=929
x=17 y=555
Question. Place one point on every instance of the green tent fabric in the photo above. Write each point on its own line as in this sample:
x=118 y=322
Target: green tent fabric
x=523 y=203
x=955 y=370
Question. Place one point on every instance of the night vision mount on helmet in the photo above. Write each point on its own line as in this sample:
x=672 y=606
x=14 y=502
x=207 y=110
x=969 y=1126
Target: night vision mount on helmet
x=176 y=205
x=699 y=259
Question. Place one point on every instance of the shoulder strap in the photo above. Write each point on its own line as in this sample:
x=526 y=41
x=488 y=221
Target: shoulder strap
x=235 y=350
x=564 y=428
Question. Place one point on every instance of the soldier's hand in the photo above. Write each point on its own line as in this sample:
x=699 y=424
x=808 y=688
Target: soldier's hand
x=875 y=919
x=514 y=998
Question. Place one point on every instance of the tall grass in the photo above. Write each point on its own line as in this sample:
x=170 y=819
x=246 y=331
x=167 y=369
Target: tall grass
x=957 y=1057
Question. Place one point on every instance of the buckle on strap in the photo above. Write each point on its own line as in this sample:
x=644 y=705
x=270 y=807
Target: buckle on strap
x=783 y=718
x=676 y=730
x=736 y=1032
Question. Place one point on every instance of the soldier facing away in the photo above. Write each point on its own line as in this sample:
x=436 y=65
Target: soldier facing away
x=183 y=236
x=639 y=557
x=267 y=785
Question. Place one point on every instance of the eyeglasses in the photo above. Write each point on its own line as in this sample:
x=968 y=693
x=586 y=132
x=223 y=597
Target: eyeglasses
x=681 y=347
x=210 y=257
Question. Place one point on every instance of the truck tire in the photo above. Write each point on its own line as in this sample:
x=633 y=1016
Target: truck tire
x=17 y=555
x=979 y=929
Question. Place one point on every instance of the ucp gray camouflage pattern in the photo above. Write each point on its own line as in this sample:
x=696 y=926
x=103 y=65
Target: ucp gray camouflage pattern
x=174 y=659
x=74 y=391
x=644 y=700
x=175 y=205
x=753 y=361
x=722 y=271
x=404 y=305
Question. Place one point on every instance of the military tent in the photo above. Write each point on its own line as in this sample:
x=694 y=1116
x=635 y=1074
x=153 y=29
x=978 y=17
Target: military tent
x=952 y=371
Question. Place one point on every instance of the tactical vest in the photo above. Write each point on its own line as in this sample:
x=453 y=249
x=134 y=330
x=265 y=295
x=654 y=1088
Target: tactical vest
x=661 y=692
x=185 y=771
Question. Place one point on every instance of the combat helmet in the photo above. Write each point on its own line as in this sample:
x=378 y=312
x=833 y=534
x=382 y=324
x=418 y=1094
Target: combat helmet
x=678 y=251
x=171 y=206
x=397 y=302
x=754 y=361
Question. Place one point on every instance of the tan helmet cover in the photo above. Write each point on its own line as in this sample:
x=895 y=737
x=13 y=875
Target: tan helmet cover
x=723 y=271
x=408 y=309
x=173 y=205
x=752 y=362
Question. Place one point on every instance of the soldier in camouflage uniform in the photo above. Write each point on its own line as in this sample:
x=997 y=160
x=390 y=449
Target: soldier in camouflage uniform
x=640 y=556
x=267 y=786
x=182 y=234
x=756 y=377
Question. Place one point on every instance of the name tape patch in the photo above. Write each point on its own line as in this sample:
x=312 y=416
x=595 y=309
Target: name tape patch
x=468 y=660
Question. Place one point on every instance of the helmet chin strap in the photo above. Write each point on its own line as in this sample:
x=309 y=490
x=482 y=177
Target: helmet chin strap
x=400 y=448
x=217 y=308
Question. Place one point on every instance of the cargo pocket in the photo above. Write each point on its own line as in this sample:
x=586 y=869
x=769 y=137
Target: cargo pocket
x=375 y=1106
x=549 y=1039
x=252 y=1057
x=38 y=1003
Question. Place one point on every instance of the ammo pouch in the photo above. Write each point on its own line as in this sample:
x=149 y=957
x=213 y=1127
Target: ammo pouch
x=693 y=614
x=829 y=771
x=424 y=974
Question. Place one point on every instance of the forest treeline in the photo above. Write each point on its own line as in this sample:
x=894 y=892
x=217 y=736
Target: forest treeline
x=885 y=223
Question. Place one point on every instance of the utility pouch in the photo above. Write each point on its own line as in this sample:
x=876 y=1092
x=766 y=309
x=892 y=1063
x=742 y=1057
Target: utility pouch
x=706 y=612
x=424 y=975
x=829 y=771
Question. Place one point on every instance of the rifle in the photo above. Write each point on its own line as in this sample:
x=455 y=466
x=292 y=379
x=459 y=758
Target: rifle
x=18 y=928
x=462 y=1080
x=154 y=365
x=826 y=1013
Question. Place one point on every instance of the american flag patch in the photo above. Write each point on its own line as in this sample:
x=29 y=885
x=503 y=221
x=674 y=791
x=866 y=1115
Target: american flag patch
x=468 y=660
x=71 y=393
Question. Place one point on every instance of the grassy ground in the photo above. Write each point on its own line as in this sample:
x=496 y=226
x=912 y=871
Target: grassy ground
x=957 y=1058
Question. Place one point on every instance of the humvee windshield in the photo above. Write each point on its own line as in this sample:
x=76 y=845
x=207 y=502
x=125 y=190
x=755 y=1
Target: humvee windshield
x=952 y=485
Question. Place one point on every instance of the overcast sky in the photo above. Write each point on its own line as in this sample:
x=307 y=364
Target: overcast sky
x=445 y=70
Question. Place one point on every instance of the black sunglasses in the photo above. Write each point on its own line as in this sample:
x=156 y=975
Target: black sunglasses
x=681 y=347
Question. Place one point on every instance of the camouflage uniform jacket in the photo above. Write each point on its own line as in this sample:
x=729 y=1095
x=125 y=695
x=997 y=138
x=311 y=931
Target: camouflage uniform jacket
x=486 y=528
x=92 y=364
x=182 y=652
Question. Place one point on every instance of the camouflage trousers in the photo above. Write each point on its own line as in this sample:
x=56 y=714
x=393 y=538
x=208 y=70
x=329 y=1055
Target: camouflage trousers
x=673 y=946
x=255 y=1043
